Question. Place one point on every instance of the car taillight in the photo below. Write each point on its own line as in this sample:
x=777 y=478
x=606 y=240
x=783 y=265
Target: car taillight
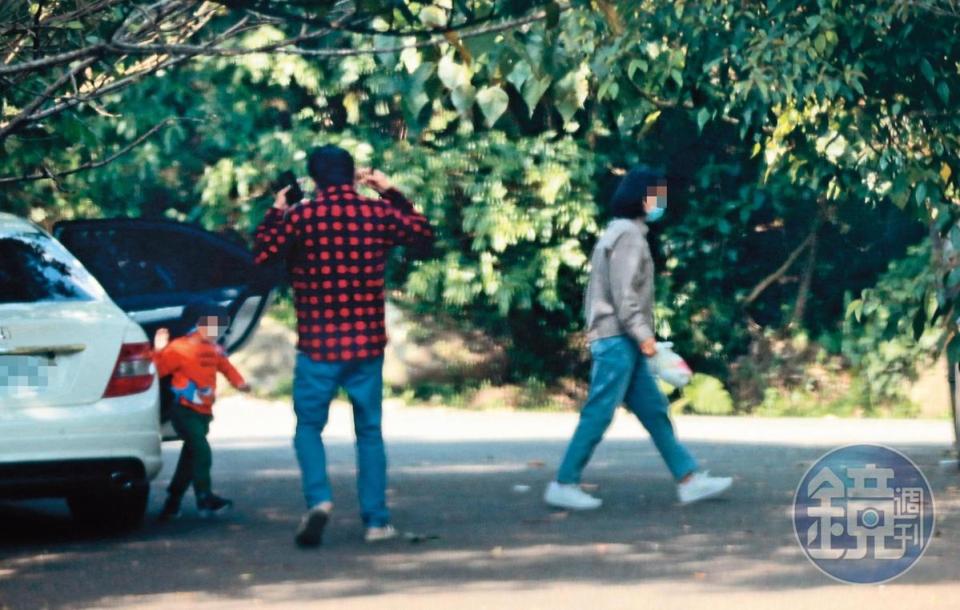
x=134 y=371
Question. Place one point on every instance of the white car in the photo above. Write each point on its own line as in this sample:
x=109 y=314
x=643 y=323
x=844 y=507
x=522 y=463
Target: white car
x=80 y=402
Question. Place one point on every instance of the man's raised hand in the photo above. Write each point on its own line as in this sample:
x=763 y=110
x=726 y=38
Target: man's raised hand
x=280 y=200
x=374 y=179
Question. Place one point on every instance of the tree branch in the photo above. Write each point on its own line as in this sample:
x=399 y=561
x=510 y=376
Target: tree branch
x=782 y=270
x=187 y=18
x=47 y=174
x=25 y=114
x=286 y=46
x=271 y=10
x=28 y=115
x=52 y=60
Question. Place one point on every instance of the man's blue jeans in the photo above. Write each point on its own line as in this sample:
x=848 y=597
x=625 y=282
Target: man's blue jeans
x=315 y=385
x=620 y=375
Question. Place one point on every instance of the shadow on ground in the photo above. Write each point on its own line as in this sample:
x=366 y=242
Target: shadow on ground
x=487 y=530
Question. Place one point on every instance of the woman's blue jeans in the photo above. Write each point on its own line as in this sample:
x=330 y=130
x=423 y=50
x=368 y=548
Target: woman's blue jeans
x=315 y=384
x=620 y=375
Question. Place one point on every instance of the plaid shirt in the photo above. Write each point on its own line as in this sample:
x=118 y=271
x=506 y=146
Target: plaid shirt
x=335 y=248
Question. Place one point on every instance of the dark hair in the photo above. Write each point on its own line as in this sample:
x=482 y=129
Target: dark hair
x=330 y=166
x=199 y=309
x=628 y=200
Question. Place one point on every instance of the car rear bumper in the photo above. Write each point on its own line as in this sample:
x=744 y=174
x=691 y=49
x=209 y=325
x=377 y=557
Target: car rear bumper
x=48 y=449
x=62 y=477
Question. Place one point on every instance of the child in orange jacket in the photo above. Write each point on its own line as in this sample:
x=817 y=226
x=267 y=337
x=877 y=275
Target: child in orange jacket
x=194 y=361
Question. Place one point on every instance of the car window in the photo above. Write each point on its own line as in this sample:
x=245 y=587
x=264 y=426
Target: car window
x=155 y=260
x=35 y=268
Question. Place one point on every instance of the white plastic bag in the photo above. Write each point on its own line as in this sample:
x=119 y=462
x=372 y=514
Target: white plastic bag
x=669 y=366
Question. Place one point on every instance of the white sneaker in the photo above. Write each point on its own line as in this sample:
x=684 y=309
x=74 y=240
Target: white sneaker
x=702 y=486
x=380 y=534
x=570 y=497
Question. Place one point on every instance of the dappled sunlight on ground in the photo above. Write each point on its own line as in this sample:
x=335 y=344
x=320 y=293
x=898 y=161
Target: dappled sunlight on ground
x=473 y=526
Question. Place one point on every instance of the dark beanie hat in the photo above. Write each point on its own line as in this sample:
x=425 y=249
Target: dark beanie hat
x=200 y=309
x=628 y=200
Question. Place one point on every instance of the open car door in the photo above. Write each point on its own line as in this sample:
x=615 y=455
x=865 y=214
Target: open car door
x=153 y=268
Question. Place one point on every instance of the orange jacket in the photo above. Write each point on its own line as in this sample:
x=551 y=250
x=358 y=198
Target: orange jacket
x=194 y=362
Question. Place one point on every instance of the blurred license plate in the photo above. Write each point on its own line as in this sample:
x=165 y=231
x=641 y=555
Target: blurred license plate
x=24 y=372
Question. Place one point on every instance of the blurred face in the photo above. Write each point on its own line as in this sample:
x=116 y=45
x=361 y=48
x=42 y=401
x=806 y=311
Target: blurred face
x=211 y=327
x=656 y=197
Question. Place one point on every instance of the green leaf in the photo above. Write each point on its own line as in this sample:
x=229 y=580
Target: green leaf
x=519 y=75
x=921 y=193
x=416 y=97
x=609 y=90
x=533 y=91
x=636 y=64
x=573 y=90
x=567 y=109
x=927 y=70
x=856 y=85
x=724 y=227
x=463 y=97
x=433 y=16
x=703 y=115
x=493 y=102
x=900 y=193
x=854 y=309
x=819 y=43
x=452 y=74
x=943 y=90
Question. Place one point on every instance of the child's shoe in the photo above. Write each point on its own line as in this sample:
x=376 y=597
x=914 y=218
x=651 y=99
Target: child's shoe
x=212 y=505
x=171 y=509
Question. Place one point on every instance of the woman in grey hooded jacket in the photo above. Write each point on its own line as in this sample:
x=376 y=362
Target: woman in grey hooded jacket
x=619 y=316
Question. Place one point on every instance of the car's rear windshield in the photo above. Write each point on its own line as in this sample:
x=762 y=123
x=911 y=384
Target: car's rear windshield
x=35 y=268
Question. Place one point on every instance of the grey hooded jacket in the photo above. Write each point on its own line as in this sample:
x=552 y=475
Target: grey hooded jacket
x=619 y=297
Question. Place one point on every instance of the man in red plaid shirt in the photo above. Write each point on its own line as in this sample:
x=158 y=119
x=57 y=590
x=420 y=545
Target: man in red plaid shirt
x=335 y=247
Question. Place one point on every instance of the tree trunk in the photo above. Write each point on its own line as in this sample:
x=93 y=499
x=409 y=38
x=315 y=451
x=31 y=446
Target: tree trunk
x=803 y=292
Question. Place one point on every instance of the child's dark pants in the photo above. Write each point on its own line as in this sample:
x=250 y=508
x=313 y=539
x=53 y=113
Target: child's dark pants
x=195 y=457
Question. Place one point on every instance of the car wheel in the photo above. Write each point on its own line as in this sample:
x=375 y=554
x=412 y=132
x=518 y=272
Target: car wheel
x=115 y=510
